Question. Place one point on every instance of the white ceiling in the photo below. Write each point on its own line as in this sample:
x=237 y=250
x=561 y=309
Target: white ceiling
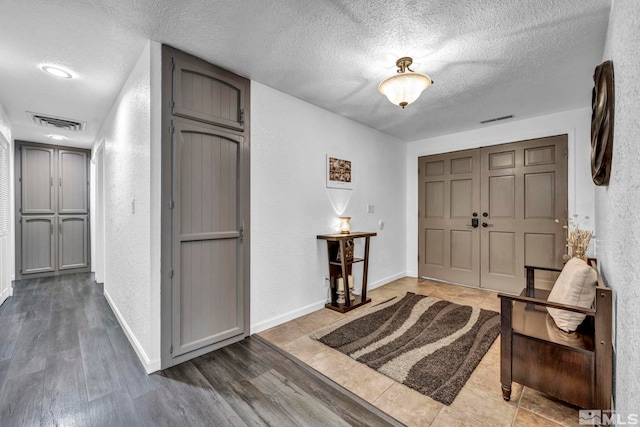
x=488 y=58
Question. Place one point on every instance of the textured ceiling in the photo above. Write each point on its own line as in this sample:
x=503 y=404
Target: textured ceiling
x=488 y=58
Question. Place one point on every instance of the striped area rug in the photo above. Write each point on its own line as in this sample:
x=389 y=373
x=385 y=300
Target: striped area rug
x=425 y=343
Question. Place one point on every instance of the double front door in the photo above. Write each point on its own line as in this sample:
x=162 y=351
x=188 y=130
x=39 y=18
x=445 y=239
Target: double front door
x=486 y=213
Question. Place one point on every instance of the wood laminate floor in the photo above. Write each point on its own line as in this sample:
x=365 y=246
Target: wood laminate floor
x=64 y=360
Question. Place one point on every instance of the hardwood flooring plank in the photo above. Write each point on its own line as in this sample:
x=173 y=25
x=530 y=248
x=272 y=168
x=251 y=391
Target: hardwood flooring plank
x=10 y=327
x=29 y=354
x=64 y=400
x=196 y=398
x=138 y=382
x=115 y=409
x=291 y=399
x=21 y=400
x=99 y=360
x=63 y=328
x=4 y=367
x=249 y=403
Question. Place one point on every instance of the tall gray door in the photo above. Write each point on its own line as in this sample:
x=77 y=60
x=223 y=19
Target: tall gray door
x=449 y=201
x=208 y=189
x=52 y=215
x=514 y=192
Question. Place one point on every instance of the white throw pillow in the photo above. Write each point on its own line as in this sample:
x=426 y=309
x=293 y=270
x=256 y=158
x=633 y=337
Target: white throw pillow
x=575 y=286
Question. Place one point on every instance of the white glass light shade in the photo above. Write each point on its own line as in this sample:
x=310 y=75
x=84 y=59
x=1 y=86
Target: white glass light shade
x=404 y=88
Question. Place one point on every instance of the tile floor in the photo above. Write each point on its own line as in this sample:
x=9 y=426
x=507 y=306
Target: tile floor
x=479 y=403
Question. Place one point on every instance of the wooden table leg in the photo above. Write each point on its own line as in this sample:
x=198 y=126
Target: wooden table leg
x=365 y=269
x=345 y=276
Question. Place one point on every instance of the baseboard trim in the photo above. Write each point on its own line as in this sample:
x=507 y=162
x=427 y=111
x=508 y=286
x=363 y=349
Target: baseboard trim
x=294 y=314
x=285 y=317
x=6 y=294
x=149 y=365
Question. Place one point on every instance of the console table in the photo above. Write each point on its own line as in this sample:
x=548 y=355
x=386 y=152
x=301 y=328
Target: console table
x=341 y=267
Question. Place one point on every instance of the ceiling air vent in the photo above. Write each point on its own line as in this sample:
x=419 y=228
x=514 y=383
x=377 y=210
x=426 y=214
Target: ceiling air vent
x=497 y=119
x=56 y=122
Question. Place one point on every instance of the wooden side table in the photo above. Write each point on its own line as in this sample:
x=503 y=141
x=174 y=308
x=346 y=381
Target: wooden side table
x=340 y=266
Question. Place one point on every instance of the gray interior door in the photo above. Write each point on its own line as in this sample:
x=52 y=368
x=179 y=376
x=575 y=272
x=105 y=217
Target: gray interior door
x=72 y=242
x=524 y=187
x=39 y=243
x=449 y=197
x=38 y=172
x=208 y=299
x=205 y=181
x=52 y=210
x=72 y=182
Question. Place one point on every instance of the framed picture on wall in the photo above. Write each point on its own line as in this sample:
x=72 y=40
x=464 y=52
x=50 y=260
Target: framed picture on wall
x=339 y=173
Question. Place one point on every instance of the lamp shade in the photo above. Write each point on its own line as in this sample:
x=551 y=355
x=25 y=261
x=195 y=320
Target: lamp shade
x=404 y=88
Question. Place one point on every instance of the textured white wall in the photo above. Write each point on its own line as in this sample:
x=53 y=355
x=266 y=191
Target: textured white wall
x=7 y=247
x=618 y=205
x=132 y=256
x=575 y=123
x=290 y=203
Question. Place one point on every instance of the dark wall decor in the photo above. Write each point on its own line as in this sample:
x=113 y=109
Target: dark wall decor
x=602 y=123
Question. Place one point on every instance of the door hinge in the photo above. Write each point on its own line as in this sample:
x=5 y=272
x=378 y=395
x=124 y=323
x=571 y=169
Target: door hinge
x=242 y=116
x=171 y=105
x=60 y=181
x=172 y=64
x=171 y=349
x=171 y=272
x=171 y=204
x=241 y=233
x=172 y=128
x=566 y=153
x=51 y=181
x=20 y=220
x=20 y=210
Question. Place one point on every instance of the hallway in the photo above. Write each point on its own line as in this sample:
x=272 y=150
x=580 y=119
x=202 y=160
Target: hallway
x=64 y=360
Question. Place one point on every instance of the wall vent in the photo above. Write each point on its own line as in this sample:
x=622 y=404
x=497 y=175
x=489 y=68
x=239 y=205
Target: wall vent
x=56 y=122
x=498 y=119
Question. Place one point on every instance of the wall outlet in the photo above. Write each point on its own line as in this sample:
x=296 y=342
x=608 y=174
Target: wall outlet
x=371 y=208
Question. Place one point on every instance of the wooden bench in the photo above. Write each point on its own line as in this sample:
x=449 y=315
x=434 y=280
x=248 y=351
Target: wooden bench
x=574 y=367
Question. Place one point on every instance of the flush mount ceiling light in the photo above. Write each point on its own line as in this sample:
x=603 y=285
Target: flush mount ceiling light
x=406 y=86
x=56 y=71
x=57 y=137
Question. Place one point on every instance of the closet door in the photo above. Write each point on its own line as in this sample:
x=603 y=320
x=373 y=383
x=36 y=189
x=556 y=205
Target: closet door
x=38 y=172
x=73 y=182
x=38 y=244
x=205 y=184
x=53 y=210
x=208 y=95
x=208 y=299
x=73 y=242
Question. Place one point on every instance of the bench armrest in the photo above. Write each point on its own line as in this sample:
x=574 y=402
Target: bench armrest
x=531 y=267
x=545 y=303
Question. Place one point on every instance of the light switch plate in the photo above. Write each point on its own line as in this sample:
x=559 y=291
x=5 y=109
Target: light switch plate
x=371 y=208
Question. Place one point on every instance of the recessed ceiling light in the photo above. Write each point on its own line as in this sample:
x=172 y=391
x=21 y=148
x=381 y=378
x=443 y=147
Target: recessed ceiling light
x=56 y=71
x=57 y=137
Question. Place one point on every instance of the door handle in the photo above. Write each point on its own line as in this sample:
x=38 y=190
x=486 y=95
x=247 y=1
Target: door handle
x=485 y=225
